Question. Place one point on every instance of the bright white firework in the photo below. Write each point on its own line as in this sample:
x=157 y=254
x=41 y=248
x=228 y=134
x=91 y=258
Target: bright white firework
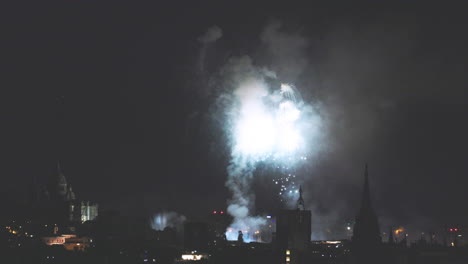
x=267 y=125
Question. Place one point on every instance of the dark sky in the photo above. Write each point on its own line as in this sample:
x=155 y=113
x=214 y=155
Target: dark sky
x=136 y=132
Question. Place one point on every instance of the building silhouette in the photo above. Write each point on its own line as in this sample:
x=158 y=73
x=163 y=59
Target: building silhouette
x=293 y=231
x=56 y=201
x=366 y=238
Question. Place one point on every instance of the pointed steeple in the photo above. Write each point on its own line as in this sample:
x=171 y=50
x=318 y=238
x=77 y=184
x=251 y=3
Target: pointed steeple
x=366 y=230
x=58 y=185
x=300 y=201
x=366 y=201
x=60 y=177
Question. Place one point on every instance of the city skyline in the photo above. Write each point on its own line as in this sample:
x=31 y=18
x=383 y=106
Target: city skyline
x=139 y=129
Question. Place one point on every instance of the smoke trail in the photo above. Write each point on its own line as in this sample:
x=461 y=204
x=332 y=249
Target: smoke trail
x=248 y=86
x=211 y=35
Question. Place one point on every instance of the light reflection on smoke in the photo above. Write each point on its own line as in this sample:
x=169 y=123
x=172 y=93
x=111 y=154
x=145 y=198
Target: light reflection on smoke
x=167 y=219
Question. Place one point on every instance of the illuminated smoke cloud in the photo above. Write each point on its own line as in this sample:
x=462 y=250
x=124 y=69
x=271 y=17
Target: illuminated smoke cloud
x=265 y=124
x=167 y=219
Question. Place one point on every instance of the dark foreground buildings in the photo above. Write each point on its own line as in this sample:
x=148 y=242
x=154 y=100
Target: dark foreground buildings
x=59 y=228
x=293 y=231
x=366 y=240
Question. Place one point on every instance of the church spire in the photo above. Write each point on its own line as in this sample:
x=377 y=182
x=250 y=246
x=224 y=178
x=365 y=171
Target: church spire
x=300 y=201
x=366 y=202
x=366 y=230
x=58 y=185
x=366 y=235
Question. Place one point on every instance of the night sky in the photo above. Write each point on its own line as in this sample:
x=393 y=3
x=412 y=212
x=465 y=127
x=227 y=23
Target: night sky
x=139 y=130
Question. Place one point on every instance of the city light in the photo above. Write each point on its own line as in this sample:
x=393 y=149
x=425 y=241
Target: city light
x=194 y=257
x=399 y=231
x=191 y=257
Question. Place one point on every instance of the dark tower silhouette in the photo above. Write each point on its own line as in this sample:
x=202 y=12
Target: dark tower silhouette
x=300 y=201
x=391 y=240
x=366 y=235
x=58 y=185
x=293 y=227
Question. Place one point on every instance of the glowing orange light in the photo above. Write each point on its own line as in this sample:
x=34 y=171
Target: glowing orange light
x=399 y=230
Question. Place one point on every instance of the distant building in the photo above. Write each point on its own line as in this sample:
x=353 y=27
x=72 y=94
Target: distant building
x=69 y=242
x=59 y=190
x=57 y=202
x=454 y=236
x=293 y=227
x=366 y=238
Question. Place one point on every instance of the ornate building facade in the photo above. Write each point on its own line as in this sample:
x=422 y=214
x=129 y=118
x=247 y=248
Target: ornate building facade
x=57 y=202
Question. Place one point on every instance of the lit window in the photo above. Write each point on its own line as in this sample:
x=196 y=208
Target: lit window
x=288 y=259
x=288 y=252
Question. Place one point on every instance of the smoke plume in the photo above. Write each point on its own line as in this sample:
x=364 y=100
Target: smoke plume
x=247 y=84
x=268 y=123
x=167 y=219
x=211 y=35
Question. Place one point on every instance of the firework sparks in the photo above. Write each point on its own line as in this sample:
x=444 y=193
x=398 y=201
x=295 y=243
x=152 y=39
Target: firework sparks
x=267 y=123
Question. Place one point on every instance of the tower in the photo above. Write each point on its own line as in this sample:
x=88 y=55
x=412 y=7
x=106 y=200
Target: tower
x=61 y=182
x=300 y=200
x=59 y=189
x=293 y=227
x=391 y=240
x=366 y=235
